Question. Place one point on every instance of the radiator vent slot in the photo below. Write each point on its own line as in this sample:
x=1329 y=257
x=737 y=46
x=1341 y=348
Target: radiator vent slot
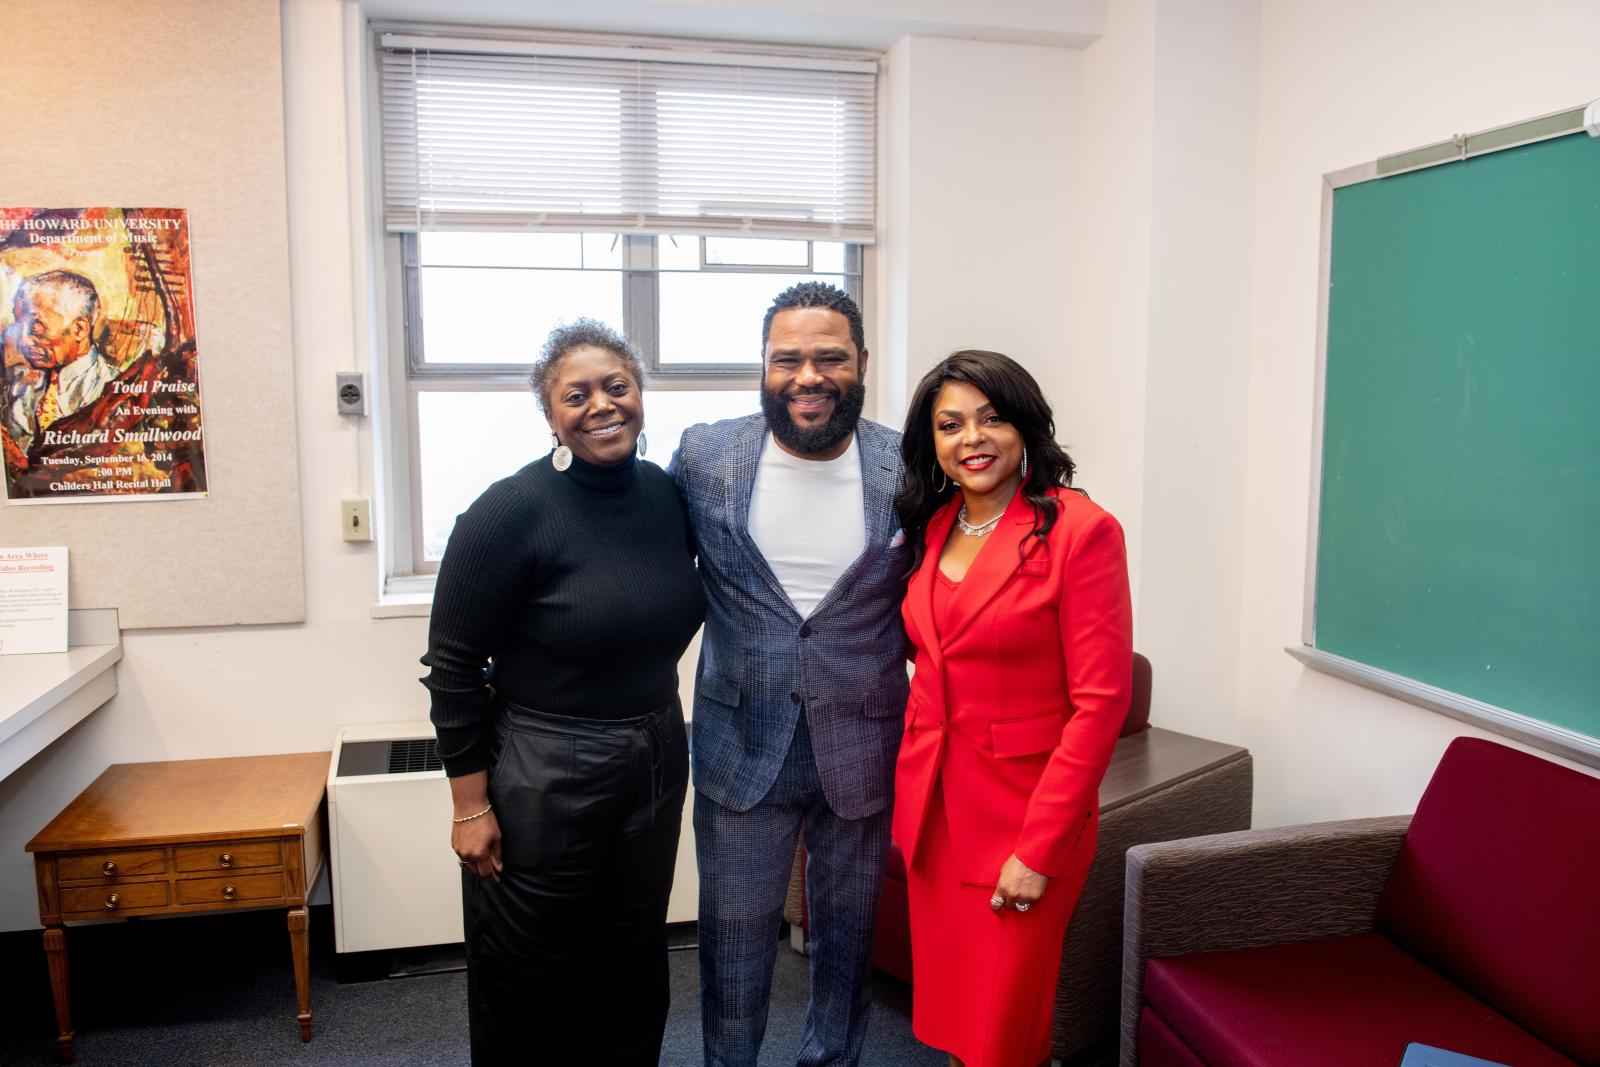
x=364 y=759
x=419 y=754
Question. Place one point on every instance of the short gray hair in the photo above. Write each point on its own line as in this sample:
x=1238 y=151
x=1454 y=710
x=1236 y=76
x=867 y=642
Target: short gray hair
x=74 y=295
x=578 y=334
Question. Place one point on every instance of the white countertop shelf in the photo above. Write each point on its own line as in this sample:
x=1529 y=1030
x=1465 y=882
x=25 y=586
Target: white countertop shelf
x=43 y=696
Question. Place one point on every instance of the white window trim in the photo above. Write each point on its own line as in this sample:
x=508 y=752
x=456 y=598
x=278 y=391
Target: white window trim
x=405 y=592
x=403 y=385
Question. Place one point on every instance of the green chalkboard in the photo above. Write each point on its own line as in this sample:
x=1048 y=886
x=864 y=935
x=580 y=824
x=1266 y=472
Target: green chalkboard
x=1458 y=534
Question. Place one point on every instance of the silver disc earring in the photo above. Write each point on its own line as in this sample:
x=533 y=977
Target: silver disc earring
x=939 y=472
x=561 y=455
x=643 y=444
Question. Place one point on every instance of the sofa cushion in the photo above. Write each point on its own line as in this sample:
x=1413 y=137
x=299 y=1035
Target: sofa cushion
x=1159 y=1046
x=1497 y=886
x=1344 y=1002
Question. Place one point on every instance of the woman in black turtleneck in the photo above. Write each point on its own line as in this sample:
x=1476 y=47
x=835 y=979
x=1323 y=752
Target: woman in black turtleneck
x=567 y=594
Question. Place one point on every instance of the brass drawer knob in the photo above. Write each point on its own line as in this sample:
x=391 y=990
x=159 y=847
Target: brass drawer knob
x=228 y=892
x=112 y=902
x=226 y=859
x=109 y=867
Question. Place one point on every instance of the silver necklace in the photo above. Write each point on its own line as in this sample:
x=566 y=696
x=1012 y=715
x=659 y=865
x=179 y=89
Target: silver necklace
x=981 y=528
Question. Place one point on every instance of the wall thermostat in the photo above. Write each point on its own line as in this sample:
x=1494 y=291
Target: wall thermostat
x=352 y=398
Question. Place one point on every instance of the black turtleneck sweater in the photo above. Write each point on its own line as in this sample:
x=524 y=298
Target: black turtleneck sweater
x=571 y=592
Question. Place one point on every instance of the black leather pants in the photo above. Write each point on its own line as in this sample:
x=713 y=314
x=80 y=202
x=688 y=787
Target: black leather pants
x=567 y=956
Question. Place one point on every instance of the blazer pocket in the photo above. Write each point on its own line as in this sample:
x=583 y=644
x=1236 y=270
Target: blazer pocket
x=1037 y=562
x=1025 y=737
x=721 y=688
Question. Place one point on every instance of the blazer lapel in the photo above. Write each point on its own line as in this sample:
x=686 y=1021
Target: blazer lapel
x=996 y=563
x=919 y=593
x=744 y=458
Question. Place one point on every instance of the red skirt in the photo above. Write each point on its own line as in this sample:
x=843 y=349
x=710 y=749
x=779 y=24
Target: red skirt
x=983 y=983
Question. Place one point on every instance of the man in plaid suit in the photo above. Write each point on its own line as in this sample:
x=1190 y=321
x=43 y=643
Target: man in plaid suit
x=801 y=688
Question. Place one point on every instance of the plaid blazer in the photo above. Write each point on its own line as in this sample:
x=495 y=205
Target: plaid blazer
x=760 y=661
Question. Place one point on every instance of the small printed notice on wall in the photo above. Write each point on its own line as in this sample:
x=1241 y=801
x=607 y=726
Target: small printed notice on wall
x=33 y=600
x=102 y=383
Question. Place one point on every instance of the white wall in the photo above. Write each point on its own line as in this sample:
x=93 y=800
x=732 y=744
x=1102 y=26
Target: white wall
x=1099 y=398
x=190 y=693
x=1342 y=84
x=1158 y=265
x=981 y=169
x=1196 y=400
x=1205 y=132
x=1155 y=406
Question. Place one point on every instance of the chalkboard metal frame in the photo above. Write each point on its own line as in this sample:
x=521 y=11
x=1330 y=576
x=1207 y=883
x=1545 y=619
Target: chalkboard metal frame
x=1558 y=740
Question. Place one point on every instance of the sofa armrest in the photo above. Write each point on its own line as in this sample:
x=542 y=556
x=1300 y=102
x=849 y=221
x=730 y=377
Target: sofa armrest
x=1089 y=985
x=1249 y=889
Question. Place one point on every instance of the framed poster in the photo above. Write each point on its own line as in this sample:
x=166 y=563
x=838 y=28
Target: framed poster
x=101 y=393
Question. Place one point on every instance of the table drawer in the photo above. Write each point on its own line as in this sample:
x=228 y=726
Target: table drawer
x=231 y=889
x=228 y=855
x=109 y=865
x=108 y=900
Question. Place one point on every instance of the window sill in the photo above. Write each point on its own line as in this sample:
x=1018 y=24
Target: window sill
x=408 y=596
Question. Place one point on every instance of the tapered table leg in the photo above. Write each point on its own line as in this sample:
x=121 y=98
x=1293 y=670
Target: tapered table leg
x=55 y=954
x=299 y=945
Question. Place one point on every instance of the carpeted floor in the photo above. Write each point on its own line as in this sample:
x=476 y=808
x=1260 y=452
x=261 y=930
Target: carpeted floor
x=218 y=991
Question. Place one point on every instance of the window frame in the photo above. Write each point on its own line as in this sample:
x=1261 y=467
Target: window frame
x=410 y=374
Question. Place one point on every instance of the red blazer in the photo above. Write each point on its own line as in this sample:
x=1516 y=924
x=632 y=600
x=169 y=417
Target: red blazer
x=1016 y=704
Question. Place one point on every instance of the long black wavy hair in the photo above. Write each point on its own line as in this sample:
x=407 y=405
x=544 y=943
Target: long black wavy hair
x=1017 y=399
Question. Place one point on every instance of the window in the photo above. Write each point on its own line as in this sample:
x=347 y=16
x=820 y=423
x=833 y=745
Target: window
x=668 y=193
x=479 y=306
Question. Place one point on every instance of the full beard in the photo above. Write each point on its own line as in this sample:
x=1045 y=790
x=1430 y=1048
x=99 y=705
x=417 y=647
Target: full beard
x=819 y=439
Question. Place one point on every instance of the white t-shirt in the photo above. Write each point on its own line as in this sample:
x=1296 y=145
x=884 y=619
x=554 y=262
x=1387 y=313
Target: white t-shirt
x=809 y=518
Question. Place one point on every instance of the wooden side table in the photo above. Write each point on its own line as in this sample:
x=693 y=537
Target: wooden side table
x=183 y=836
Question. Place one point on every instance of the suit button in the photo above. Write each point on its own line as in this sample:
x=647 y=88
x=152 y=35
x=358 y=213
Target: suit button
x=805 y=631
x=794 y=698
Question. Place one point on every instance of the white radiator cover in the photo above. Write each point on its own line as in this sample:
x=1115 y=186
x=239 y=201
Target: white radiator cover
x=396 y=884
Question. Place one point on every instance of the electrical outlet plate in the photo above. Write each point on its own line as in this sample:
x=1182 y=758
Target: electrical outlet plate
x=352 y=394
x=356 y=516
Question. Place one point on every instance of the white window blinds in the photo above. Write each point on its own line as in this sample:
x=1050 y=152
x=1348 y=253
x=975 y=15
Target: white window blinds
x=522 y=134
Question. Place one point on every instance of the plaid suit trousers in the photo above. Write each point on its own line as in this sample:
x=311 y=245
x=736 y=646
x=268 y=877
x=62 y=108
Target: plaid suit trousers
x=745 y=860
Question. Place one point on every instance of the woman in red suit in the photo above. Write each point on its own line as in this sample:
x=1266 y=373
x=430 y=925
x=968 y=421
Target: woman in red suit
x=1021 y=632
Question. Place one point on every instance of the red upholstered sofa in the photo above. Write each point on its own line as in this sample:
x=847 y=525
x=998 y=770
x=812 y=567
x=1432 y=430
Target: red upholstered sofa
x=1473 y=925
x=1161 y=784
